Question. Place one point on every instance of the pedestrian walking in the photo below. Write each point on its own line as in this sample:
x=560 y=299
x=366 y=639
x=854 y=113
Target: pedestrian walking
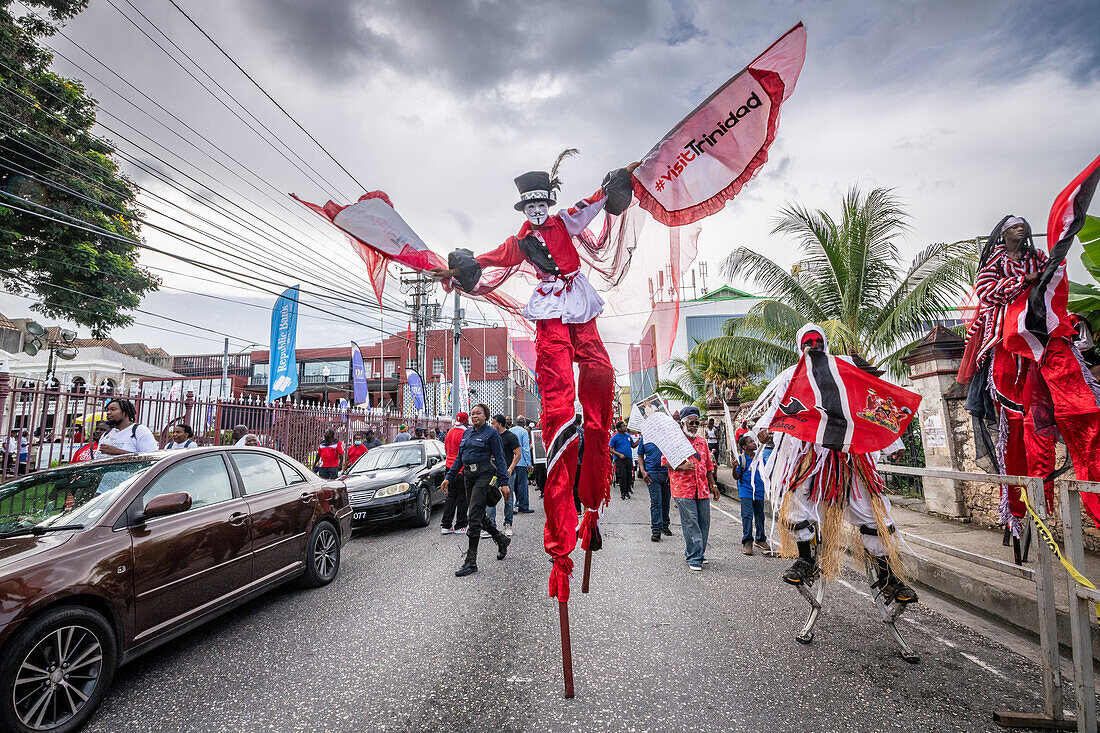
x=520 y=488
x=712 y=440
x=372 y=440
x=655 y=475
x=330 y=456
x=750 y=491
x=513 y=455
x=693 y=486
x=622 y=449
x=402 y=433
x=238 y=435
x=481 y=458
x=182 y=435
x=127 y=435
x=357 y=448
x=455 y=507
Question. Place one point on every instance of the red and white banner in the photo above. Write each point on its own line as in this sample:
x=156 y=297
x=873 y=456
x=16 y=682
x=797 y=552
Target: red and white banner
x=712 y=153
x=837 y=405
x=1041 y=312
x=378 y=234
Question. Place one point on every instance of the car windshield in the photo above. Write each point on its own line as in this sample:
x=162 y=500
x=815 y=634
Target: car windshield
x=71 y=496
x=383 y=458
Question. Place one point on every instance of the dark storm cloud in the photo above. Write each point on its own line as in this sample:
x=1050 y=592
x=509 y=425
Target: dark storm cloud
x=469 y=44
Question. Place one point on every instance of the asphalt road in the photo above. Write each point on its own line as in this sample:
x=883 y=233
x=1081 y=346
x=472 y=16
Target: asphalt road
x=397 y=643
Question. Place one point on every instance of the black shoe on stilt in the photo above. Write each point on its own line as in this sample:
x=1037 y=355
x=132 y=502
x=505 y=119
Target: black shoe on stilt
x=466 y=569
x=502 y=546
x=893 y=587
x=802 y=572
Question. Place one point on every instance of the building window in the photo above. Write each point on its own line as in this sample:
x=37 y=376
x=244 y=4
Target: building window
x=388 y=368
x=465 y=362
x=491 y=363
x=437 y=366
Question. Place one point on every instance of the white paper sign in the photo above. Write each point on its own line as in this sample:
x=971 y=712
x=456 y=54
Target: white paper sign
x=935 y=436
x=661 y=430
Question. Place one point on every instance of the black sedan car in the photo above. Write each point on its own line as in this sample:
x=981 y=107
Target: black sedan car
x=396 y=482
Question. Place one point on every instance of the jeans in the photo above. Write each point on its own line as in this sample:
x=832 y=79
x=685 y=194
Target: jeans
x=518 y=482
x=509 y=505
x=752 y=510
x=454 y=506
x=660 y=498
x=695 y=524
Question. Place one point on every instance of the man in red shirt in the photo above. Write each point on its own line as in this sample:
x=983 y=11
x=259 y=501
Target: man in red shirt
x=330 y=456
x=456 y=494
x=693 y=487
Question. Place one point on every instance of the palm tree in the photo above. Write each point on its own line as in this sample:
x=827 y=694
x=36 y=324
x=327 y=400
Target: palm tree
x=850 y=281
x=701 y=378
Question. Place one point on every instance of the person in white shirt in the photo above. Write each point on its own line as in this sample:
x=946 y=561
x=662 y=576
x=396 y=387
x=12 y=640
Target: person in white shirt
x=127 y=435
x=182 y=435
x=240 y=432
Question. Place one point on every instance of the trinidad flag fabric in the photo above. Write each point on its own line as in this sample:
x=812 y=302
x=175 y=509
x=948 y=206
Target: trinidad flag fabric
x=712 y=153
x=835 y=404
x=1041 y=313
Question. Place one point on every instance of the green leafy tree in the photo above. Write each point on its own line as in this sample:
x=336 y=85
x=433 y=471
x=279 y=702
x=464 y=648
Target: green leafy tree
x=49 y=158
x=850 y=281
x=702 y=378
x=1084 y=299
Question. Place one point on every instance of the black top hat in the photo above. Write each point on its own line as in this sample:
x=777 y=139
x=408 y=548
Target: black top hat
x=534 y=186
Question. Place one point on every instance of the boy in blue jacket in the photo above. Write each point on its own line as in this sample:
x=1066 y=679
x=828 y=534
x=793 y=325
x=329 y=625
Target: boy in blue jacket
x=750 y=491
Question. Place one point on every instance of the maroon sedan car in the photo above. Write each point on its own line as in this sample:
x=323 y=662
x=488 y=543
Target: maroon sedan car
x=104 y=560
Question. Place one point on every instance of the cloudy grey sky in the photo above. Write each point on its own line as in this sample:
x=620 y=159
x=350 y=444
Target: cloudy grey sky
x=969 y=110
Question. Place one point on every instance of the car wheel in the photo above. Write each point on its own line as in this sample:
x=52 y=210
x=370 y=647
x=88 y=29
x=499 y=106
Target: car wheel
x=322 y=556
x=423 y=508
x=56 y=670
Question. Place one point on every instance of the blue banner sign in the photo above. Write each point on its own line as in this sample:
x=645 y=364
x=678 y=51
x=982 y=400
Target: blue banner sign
x=282 y=378
x=358 y=376
x=416 y=387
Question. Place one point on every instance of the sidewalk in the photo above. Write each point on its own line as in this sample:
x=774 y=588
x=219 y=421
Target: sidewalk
x=1007 y=598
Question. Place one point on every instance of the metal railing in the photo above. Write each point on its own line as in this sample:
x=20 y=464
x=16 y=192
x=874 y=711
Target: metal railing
x=1043 y=576
x=53 y=424
x=1082 y=600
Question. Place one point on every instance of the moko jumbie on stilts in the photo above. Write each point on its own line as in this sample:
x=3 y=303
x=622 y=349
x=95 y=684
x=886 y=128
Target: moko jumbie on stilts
x=832 y=421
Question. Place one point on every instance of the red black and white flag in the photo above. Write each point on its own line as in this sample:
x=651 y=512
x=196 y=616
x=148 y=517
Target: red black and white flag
x=1042 y=313
x=835 y=404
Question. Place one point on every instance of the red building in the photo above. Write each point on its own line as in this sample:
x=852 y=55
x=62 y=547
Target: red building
x=495 y=377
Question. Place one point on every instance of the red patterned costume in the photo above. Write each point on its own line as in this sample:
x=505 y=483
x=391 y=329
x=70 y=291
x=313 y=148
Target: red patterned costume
x=1039 y=390
x=564 y=307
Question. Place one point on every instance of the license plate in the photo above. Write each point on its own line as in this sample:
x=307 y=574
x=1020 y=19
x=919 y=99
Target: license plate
x=359 y=515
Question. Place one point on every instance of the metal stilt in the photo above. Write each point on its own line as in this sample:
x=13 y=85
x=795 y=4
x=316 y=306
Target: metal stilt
x=890 y=615
x=813 y=590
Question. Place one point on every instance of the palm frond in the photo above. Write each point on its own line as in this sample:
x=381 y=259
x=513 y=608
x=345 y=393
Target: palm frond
x=774 y=280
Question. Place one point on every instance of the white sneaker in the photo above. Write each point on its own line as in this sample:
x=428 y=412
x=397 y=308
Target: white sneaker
x=485 y=535
x=447 y=530
x=460 y=531
x=507 y=530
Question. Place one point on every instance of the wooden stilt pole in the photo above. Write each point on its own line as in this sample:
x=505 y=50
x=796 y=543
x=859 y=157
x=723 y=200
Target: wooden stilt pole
x=587 y=570
x=566 y=649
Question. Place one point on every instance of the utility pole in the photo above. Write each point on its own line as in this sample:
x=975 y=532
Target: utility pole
x=455 y=362
x=418 y=287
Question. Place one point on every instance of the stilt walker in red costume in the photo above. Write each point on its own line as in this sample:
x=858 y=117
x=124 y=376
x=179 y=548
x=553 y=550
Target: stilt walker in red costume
x=1026 y=376
x=564 y=307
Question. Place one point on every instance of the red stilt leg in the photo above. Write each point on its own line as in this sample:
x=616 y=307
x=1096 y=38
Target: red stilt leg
x=587 y=570
x=566 y=649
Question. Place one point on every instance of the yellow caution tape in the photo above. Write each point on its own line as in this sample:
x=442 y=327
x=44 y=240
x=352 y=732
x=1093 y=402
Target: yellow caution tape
x=1045 y=533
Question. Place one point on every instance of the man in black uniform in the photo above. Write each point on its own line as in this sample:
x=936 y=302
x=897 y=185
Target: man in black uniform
x=485 y=471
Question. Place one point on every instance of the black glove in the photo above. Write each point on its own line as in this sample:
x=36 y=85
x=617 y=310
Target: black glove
x=619 y=189
x=466 y=267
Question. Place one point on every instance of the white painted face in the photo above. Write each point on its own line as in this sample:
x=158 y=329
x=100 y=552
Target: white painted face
x=536 y=212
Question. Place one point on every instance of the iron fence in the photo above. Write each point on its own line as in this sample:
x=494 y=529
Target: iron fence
x=43 y=426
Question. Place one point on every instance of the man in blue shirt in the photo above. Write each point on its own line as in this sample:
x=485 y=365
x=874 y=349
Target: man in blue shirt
x=750 y=492
x=655 y=476
x=519 y=475
x=484 y=468
x=622 y=449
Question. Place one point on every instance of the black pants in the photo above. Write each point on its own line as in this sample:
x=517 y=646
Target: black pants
x=624 y=472
x=456 y=500
x=477 y=487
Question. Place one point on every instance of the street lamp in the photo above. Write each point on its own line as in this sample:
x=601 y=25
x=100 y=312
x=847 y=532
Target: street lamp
x=59 y=349
x=325 y=373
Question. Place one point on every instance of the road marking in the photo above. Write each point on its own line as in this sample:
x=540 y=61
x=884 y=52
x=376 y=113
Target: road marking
x=983 y=665
x=718 y=509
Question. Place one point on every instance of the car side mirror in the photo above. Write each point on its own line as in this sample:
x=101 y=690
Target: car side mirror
x=432 y=460
x=167 y=504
